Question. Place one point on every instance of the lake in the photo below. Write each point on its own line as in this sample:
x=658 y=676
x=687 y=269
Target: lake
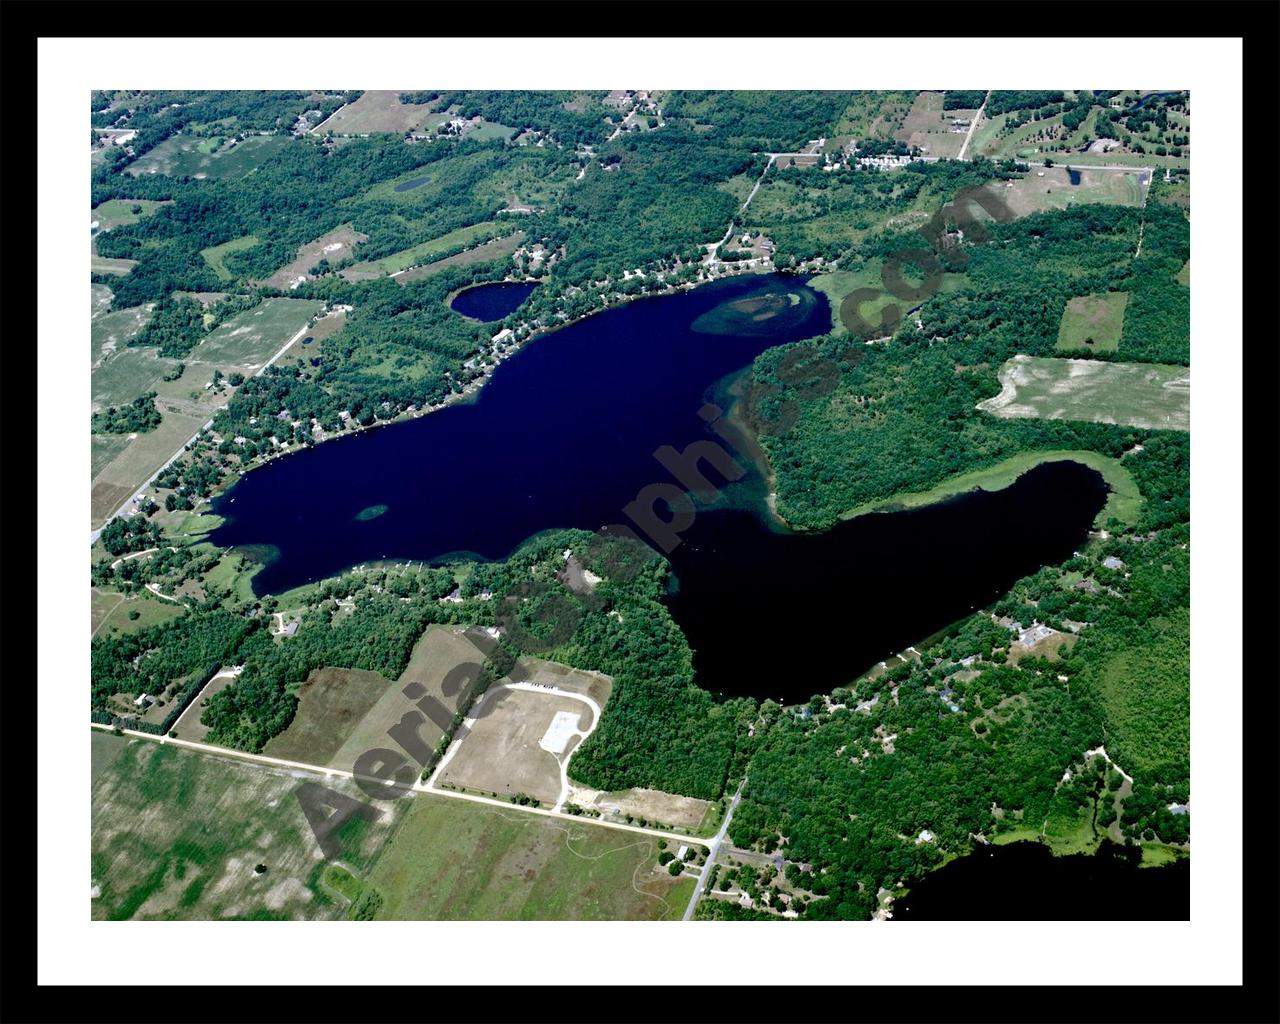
x=490 y=302
x=563 y=435
x=1025 y=882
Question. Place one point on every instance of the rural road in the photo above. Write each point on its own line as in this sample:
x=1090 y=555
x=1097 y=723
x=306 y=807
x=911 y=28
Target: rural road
x=712 y=850
x=418 y=787
x=973 y=125
x=93 y=536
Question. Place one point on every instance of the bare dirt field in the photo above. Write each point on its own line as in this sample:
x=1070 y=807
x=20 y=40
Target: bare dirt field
x=1151 y=395
x=378 y=110
x=506 y=750
x=330 y=704
x=335 y=246
x=651 y=804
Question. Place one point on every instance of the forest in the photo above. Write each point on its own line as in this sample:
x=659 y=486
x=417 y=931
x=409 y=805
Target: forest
x=139 y=416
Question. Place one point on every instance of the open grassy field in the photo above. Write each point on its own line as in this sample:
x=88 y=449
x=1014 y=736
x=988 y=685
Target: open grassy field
x=496 y=249
x=451 y=860
x=336 y=245
x=440 y=650
x=1150 y=395
x=1050 y=188
x=243 y=344
x=116 y=213
x=216 y=254
x=110 y=264
x=668 y=810
x=110 y=332
x=839 y=285
x=424 y=252
x=189 y=726
x=875 y=115
x=104 y=748
x=1124 y=502
x=177 y=834
x=505 y=751
x=250 y=338
x=331 y=702
x=1092 y=322
x=191 y=157
x=110 y=611
x=378 y=110
x=931 y=128
x=308 y=346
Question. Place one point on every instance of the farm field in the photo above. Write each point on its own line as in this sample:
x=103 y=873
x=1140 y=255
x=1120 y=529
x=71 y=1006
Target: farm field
x=216 y=255
x=492 y=250
x=452 y=860
x=423 y=252
x=110 y=332
x=440 y=651
x=875 y=115
x=378 y=110
x=250 y=338
x=1151 y=395
x=331 y=702
x=1050 y=188
x=930 y=127
x=177 y=834
x=1093 y=322
x=109 y=611
x=505 y=749
x=186 y=156
x=243 y=344
x=335 y=246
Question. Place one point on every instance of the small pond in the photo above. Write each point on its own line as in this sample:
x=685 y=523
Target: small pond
x=490 y=302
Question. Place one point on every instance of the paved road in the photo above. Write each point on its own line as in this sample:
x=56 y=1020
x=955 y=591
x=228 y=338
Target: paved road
x=712 y=850
x=418 y=787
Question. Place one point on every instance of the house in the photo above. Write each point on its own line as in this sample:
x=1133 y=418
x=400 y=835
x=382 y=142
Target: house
x=1111 y=562
x=1177 y=808
x=925 y=837
x=144 y=701
x=681 y=852
x=290 y=628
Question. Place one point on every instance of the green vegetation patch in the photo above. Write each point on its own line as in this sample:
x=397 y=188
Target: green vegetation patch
x=427 y=251
x=1093 y=322
x=250 y=338
x=215 y=255
x=455 y=860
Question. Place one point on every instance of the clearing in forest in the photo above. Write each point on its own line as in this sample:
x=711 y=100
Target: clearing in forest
x=1093 y=322
x=1150 y=395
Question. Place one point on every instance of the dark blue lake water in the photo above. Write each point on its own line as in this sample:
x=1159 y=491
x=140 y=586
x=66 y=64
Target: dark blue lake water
x=491 y=301
x=1106 y=886
x=563 y=435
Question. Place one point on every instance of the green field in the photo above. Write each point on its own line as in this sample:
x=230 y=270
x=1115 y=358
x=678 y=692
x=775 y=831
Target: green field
x=455 y=860
x=250 y=338
x=1093 y=322
x=1184 y=275
x=425 y=251
x=216 y=254
x=110 y=264
x=110 y=332
x=176 y=834
x=116 y=213
x=124 y=373
x=1124 y=501
x=186 y=156
x=1151 y=395
x=840 y=284
x=491 y=250
x=331 y=703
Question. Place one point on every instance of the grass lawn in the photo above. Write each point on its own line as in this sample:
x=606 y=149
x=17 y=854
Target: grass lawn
x=454 y=860
x=1092 y=322
x=1124 y=502
x=176 y=834
x=215 y=254
x=116 y=213
x=151 y=610
x=1152 y=395
x=425 y=251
